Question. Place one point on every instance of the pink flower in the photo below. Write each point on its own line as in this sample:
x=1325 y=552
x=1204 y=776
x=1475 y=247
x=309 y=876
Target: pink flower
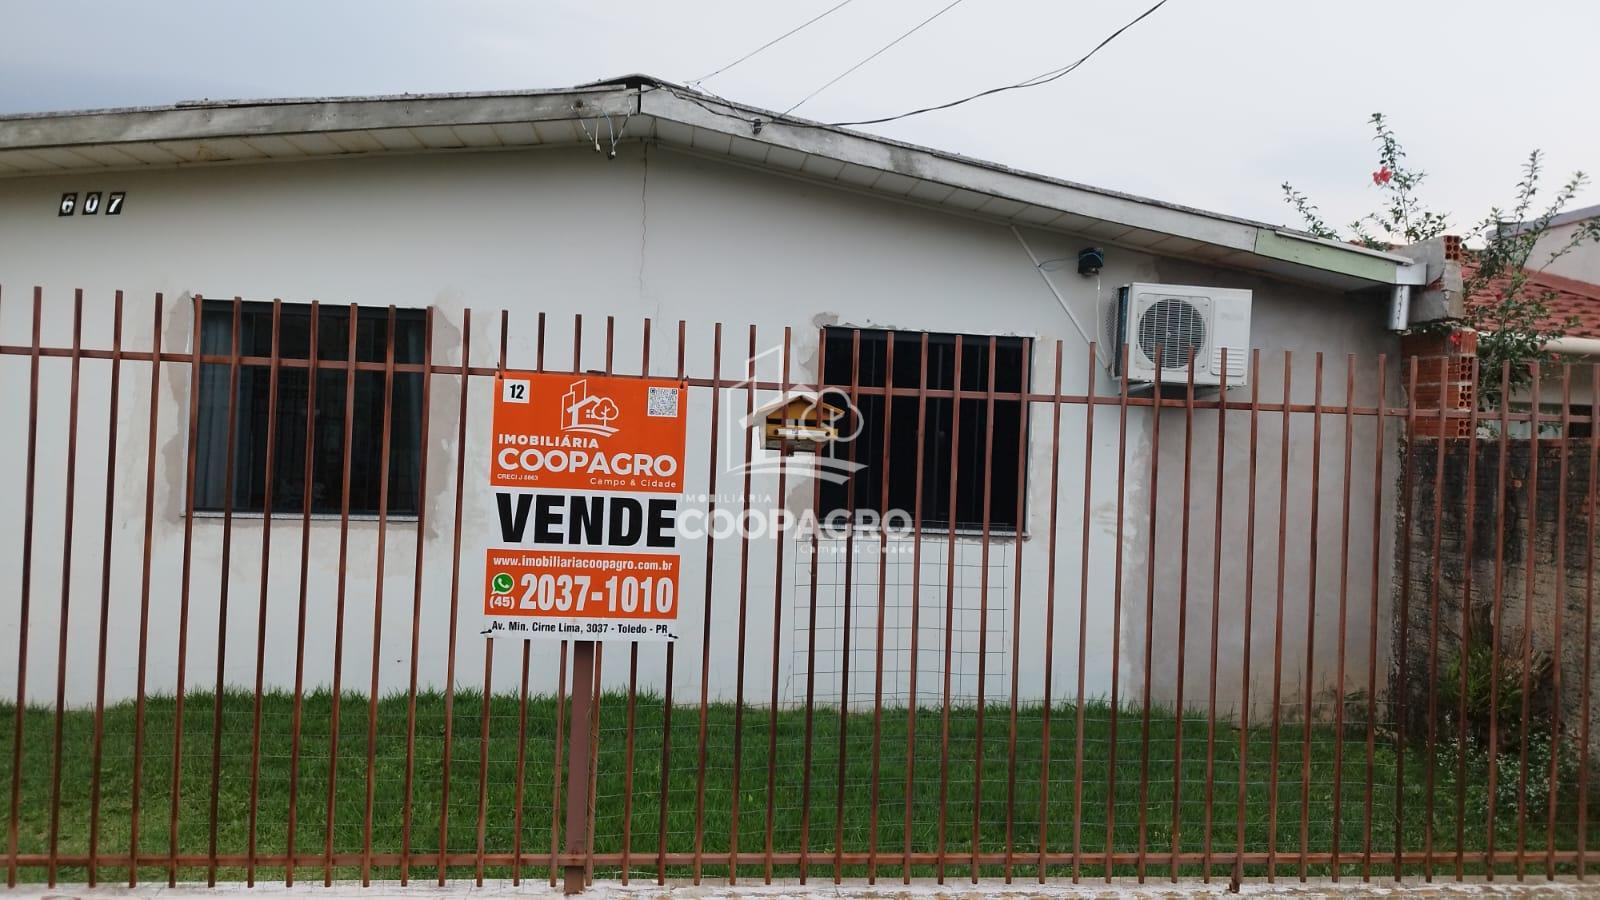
x=1382 y=176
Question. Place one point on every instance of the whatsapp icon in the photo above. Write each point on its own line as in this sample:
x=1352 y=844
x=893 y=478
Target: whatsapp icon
x=502 y=583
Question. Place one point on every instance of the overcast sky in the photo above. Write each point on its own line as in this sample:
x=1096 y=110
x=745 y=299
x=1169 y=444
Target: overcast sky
x=1211 y=103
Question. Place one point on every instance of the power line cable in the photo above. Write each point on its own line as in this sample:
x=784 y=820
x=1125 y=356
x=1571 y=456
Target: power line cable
x=757 y=122
x=1035 y=81
x=875 y=54
x=795 y=30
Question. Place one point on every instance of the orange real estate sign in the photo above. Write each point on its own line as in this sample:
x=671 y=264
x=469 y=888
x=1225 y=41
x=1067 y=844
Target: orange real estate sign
x=587 y=475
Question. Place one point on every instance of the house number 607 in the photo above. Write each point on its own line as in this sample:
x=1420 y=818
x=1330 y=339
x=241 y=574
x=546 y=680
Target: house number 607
x=93 y=203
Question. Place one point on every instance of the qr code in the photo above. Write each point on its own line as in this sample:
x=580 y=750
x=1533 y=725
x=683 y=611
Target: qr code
x=663 y=403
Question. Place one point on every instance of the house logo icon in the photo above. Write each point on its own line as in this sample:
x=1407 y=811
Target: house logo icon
x=587 y=413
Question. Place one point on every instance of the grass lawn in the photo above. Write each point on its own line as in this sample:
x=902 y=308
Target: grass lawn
x=1106 y=790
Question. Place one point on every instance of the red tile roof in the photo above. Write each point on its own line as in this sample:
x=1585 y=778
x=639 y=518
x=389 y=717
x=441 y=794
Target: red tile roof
x=1571 y=299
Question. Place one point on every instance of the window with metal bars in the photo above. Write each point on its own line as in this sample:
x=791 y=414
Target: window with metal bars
x=254 y=399
x=979 y=449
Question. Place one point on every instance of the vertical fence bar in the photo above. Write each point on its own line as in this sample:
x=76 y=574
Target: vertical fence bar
x=949 y=608
x=105 y=591
x=1401 y=726
x=1560 y=604
x=455 y=594
x=560 y=747
x=599 y=680
x=1344 y=600
x=883 y=592
x=1249 y=621
x=849 y=606
x=1083 y=615
x=1024 y=413
x=522 y=705
x=313 y=358
x=1277 y=628
x=25 y=595
x=811 y=641
x=594 y=758
x=633 y=692
x=135 y=790
x=483 y=758
x=1379 y=452
x=488 y=670
x=269 y=471
x=561 y=692
x=1116 y=619
x=338 y=610
x=1311 y=619
x=1588 y=622
x=1149 y=619
x=916 y=603
x=1532 y=481
x=1497 y=613
x=1216 y=614
x=180 y=682
x=705 y=631
x=377 y=599
x=779 y=542
x=1466 y=621
x=583 y=685
x=66 y=586
x=416 y=601
x=1183 y=620
x=666 y=702
x=1433 y=624
x=222 y=591
x=744 y=598
x=983 y=610
x=522 y=771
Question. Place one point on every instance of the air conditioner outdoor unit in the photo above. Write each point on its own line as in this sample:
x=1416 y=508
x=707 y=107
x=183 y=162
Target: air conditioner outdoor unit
x=1174 y=320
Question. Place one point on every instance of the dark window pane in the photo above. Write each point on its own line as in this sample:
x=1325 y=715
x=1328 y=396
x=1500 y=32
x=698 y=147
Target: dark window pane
x=254 y=403
x=862 y=356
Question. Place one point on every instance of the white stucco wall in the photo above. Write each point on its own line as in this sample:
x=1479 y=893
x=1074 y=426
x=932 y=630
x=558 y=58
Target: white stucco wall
x=1581 y=262
x=654 y=233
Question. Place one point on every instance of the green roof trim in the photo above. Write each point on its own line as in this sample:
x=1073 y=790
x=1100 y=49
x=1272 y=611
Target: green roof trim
x=1327 y=256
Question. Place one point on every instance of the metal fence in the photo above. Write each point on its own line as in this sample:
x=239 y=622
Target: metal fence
x=1136 y=677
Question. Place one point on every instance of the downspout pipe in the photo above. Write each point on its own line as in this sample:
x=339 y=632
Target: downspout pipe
x=1400 y=307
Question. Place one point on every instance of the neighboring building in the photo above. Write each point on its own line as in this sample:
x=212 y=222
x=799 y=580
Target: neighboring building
x=693 y=212
x=1574 y=310
x=1551 y=254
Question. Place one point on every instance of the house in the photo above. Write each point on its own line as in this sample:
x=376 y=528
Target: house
x=1555 y=253
x=1573 y=309
x=621 y=201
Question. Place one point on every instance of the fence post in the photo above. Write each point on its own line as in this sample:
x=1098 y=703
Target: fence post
x=577 y=831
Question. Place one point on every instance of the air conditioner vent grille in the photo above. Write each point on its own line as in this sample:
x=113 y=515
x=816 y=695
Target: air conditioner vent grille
x=1173 y=327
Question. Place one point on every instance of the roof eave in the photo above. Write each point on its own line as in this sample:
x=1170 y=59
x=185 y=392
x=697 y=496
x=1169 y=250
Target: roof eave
x=214 y=131
x=216 y=120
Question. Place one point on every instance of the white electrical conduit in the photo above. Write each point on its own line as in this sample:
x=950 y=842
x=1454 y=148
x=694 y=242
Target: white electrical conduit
x=1051 y=285
x=1574 y=346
